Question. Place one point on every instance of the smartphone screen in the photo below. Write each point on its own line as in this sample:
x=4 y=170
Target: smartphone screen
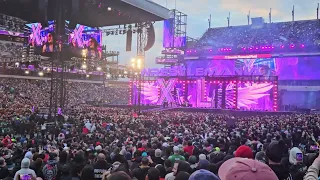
x=314 y=148
x=299 y=157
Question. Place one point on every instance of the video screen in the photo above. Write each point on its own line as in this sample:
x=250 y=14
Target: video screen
x=289 y=68
x=82 y=41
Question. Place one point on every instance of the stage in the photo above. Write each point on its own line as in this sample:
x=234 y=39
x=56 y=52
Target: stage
x=256 y=93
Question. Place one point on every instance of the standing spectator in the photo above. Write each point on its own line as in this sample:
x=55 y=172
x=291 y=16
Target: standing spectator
x=25 y=170
x=176 y=156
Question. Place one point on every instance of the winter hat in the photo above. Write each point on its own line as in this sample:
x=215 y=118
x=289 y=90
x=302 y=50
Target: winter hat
x=244 y=152
x=158 y=153
x=202 y=157
x=203 y=175
x=28 y=155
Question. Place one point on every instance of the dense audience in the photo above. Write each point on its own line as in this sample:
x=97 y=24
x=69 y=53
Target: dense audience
x=11 y=49
x=284 y=33
x=24 y=93
x=94 y=143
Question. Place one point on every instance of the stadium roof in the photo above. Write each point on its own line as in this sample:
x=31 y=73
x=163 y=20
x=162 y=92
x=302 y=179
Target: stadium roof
x=94 y=13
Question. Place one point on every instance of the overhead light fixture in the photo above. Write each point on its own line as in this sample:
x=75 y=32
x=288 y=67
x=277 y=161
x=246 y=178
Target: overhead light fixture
x=40 y=73
x=109 y=9
x=84 y=66
x=26 y=72
x=98 y=68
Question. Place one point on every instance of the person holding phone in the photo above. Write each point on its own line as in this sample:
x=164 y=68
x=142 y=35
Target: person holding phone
x=25 y=173
x=297 y=167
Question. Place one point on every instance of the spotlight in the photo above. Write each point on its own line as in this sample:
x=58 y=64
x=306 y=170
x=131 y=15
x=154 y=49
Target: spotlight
x=84 y=53
x=133 y=60
x=17 y=63
x=27 y=72
x=108 y=75
x=109 y=9
x=40 y=73
x=125 y=72
x=84 y=66
x=98 y=68
x=87 y=76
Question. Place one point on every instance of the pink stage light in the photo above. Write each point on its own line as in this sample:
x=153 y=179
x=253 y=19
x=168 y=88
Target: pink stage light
x=257 y=48
x=302 y=45
x=262 y=47
x=272 y=47
x=210 y=50
x=292 y=46
x=188 y=82
x=195 y=50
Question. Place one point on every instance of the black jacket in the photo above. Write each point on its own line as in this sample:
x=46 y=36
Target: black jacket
x=99 y=168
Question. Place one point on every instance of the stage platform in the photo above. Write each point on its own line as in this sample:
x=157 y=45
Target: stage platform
x=146 y=109
x=229 y=111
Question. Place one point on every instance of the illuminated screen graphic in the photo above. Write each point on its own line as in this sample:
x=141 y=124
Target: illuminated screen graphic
x=81 y=38
x=206 y=93
x=291 y=68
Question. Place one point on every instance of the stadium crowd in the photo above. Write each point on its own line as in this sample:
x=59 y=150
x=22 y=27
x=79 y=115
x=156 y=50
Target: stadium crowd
x=93 y=143
x=284 y=33
x=11 y=49
x=25 y=94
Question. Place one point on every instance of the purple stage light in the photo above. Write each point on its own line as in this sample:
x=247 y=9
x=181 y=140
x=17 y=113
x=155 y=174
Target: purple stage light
x=292 y=46
x=210 y=50
x=282 y=46
x=302 y=45
x=257 y=48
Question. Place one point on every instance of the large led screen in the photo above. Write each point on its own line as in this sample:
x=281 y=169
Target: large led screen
x=293 y=68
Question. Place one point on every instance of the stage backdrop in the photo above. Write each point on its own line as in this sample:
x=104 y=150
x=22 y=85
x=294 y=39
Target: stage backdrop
x=206 y=93
x=290 y=68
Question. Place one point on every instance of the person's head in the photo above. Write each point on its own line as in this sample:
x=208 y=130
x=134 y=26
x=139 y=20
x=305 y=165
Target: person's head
x=25 y=163
x=50 y=38
x=87 y=173
x=153 y=174
x=176 y=150
x=182 y=176
x=192 y=160
x=63 y=156
x=2 y=162
x=244 y=152
x=296 y=156
x=93 y=43
x=203 y=175
x=275 y=151
x=157 y=153
x=101 y=157
x=145 y=161
x=243 y=168
x=162 y=170
x=120 y=175
x=180 y=166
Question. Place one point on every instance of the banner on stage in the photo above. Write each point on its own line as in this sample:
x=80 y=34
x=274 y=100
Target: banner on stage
x=177 y=71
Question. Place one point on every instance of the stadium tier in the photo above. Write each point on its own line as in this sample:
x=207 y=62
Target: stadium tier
x=282 y=35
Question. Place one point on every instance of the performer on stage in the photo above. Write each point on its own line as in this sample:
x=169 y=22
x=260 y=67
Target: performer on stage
x=93 y=49
x=51 y=45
